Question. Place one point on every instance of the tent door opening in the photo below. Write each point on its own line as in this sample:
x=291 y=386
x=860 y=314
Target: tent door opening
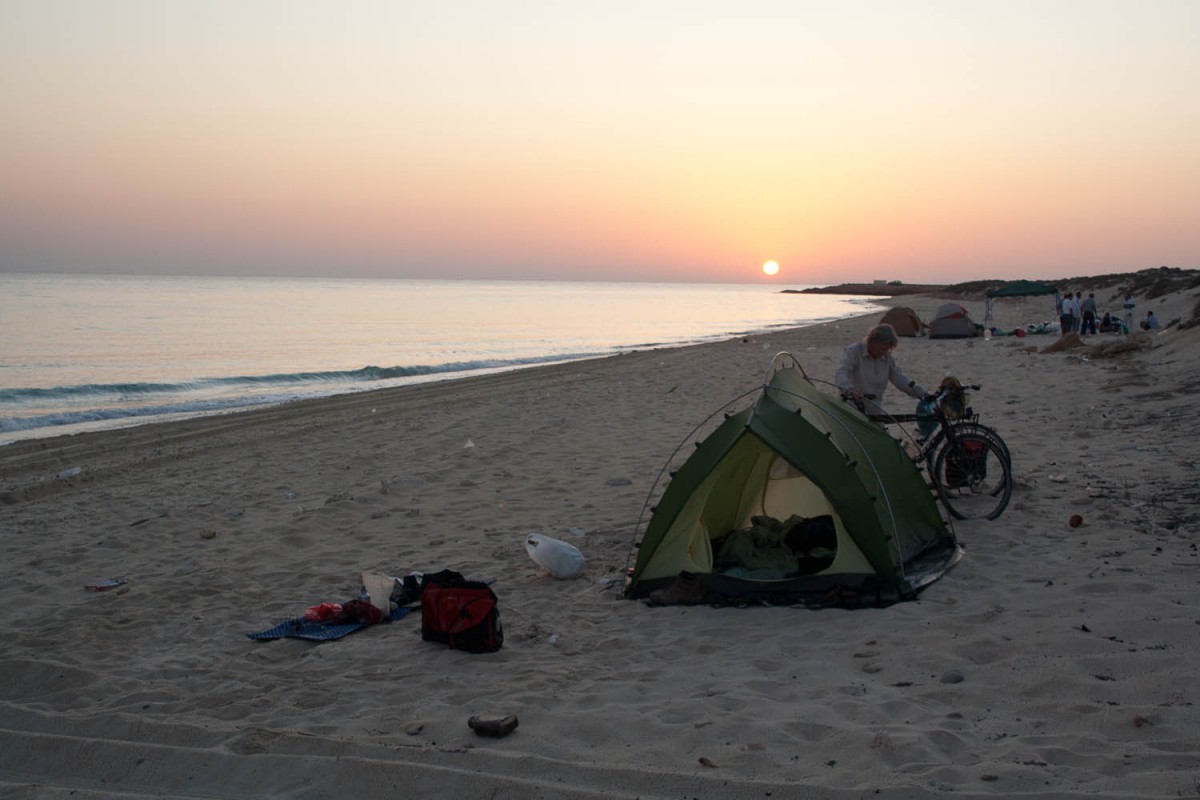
x=779 y=526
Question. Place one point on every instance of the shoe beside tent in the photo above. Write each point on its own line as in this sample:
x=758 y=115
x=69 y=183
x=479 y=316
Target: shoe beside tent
x=828 y=507
x=953 y=322
x=904 y=320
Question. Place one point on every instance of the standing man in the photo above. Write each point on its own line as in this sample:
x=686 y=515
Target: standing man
x=1067 y=319
x=867 y=367
x=1129 y=305
x=1089 y=314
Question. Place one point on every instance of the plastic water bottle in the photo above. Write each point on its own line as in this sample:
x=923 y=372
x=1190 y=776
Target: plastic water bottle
x=987 y=334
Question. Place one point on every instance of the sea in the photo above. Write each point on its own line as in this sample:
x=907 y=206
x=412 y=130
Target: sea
x=91 y=352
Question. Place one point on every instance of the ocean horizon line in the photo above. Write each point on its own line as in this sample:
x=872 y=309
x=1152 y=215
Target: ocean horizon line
x=781 y=281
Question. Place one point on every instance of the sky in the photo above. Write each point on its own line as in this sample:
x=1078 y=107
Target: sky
x=930 y=142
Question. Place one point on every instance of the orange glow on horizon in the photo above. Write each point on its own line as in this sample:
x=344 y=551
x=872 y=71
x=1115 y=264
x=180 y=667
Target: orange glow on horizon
x=130 y=146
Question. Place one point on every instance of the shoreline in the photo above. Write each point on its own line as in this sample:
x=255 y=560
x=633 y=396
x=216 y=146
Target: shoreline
x=175 y=416
x=92 y=391
x=1071 y=645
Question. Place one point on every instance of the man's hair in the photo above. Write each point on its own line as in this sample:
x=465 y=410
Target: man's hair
x=883 y=334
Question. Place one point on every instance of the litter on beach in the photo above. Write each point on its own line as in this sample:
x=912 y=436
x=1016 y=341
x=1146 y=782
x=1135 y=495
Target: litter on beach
x=104 y=584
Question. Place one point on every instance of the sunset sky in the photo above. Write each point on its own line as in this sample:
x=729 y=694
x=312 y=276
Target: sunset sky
x=920 y=141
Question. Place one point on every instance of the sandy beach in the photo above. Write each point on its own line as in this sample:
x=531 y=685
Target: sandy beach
x=1076 y=647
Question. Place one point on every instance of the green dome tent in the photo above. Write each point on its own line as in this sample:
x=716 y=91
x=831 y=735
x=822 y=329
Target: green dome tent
x=853 y=521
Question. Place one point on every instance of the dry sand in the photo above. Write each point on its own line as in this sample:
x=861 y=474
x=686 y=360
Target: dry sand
x=1077 y=648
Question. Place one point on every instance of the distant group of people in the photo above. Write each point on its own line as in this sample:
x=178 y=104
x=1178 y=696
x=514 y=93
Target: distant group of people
x=867 y=367
x=1077 y=314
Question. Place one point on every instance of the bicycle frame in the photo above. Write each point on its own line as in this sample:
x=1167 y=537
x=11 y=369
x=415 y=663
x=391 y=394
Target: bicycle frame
x=957 y=454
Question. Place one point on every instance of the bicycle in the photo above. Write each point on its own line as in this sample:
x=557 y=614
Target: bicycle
x=969 y=463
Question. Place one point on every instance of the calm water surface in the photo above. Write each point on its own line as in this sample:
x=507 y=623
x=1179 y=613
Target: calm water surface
x=89 y=352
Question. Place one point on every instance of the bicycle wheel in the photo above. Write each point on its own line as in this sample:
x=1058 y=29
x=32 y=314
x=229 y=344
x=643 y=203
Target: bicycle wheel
x=963 y=428
x=973 y=476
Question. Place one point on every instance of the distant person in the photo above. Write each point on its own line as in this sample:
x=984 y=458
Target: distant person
x=1066 y=319
x=1078 y=310
x=1129 y=305
x=1088 y=309
x=867 y=367
x=1150 y=323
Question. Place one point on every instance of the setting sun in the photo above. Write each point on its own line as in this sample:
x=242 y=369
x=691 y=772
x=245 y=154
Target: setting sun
x=770 y=267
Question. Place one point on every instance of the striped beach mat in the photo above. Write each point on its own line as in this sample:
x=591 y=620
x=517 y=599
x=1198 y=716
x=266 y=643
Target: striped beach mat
x=319 y=631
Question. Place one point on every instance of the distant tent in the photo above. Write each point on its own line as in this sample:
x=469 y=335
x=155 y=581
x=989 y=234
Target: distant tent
x=904 y=320
x=953 y=322
x=1017 y=289
x=798 y=498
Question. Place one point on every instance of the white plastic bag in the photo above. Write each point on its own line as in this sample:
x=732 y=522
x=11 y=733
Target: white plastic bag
x=560 y=559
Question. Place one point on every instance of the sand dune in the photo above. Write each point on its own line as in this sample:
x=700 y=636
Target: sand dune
x=1051 y=661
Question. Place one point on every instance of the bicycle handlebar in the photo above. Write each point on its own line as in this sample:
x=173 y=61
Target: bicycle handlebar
x=939 y=396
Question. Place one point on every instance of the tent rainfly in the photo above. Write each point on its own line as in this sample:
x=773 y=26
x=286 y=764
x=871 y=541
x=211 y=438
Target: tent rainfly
x=798 y=498
x=953 y=322
x=904 y=320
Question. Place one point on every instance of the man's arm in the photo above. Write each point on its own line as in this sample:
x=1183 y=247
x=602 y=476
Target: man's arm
x=845 y=371
x=904 y=384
